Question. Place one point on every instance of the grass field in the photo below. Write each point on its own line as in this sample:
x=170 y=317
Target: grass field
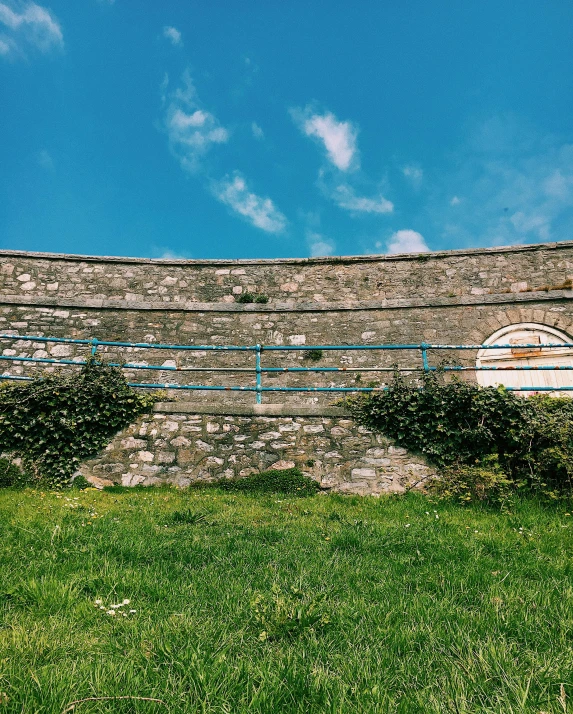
x=278 y=604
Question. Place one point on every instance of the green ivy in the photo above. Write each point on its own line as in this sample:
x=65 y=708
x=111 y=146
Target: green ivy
x=456 y=423
x=54 y=422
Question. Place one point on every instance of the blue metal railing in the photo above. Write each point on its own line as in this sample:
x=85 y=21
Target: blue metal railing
x=259 y=370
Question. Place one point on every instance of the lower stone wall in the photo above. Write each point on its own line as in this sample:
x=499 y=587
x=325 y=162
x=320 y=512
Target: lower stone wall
x=180 y=443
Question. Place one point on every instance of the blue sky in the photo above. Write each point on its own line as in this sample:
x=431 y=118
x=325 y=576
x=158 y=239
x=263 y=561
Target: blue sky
x=236 y=129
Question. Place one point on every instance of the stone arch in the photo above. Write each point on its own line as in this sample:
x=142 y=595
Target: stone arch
x=518 y=353
x=494 y=318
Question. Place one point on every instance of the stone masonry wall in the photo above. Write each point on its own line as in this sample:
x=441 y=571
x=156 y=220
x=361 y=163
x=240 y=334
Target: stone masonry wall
x=291 y=282
x=455 y=297
x=454 y=324
x=178 y=448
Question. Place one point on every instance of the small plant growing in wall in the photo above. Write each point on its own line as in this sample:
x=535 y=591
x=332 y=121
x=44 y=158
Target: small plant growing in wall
x=247 y=298
x=313 y=355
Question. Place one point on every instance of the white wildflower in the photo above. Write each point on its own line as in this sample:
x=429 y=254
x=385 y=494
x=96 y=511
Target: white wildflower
x=110 y=612
x=126 y=602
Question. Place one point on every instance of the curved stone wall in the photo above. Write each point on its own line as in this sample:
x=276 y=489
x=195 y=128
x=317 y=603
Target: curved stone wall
x=451 y=297
x=456 y=297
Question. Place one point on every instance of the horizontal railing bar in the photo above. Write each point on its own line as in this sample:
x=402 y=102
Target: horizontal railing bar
x=496 y=346
x=410 y=369
x=421 y=346
x=201 y=387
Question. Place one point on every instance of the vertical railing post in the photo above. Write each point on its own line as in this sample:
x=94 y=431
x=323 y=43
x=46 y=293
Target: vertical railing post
x=258 y=351
x=94 y=346
x=424 y=348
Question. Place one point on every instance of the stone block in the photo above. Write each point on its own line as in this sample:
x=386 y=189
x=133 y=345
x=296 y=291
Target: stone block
x=282 y=465
x=362 y=473
x=165 y=457
x=313 y=428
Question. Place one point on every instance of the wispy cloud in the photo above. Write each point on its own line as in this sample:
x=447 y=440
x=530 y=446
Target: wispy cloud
x=173 y=35
x=260 y=212
x=191 y=129
x=45 y=160
x=405 y=241
x=172 y=255
x=26 y=26
x=337 y=137
x=414 y=174
x=258 y=133
x=346 y=198
x=517 y=188
x=318 y=245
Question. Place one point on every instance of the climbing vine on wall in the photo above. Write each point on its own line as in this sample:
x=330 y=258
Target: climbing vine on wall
x=459 y=424
x=54 y=422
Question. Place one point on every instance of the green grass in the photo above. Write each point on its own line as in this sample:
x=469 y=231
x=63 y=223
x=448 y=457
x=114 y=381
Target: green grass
x=280 y=604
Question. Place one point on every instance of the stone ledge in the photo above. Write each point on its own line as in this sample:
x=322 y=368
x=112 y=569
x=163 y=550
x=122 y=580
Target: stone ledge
x=271 y=410
x=356 y=305
x=292 y=261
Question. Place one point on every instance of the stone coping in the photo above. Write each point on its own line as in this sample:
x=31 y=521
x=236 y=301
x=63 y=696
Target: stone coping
x=270 y=410
x=292 y=261
x=280 y=306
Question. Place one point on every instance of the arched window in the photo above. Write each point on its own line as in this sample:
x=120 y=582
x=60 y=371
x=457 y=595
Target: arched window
x=527 y=333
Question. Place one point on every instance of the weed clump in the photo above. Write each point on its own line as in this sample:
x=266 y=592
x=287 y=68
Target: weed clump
x=11 y=476
x=286 y=613
x=286 y=481
x=187 y=517
x=247 y=298
x=313 y=355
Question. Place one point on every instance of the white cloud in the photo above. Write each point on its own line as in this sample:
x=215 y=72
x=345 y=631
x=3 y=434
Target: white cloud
x=346 y=198
x=414 y=174
x=338 y=137
x=171 y=255
x=192 y=130
x=518 y=188
x=319 y=245
x=261 y=212
x=45 y=160
x=27 y=25
x=258 y=133
x=173 y=35
x=525 y=223
x=559 y=186
x=406 y=241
